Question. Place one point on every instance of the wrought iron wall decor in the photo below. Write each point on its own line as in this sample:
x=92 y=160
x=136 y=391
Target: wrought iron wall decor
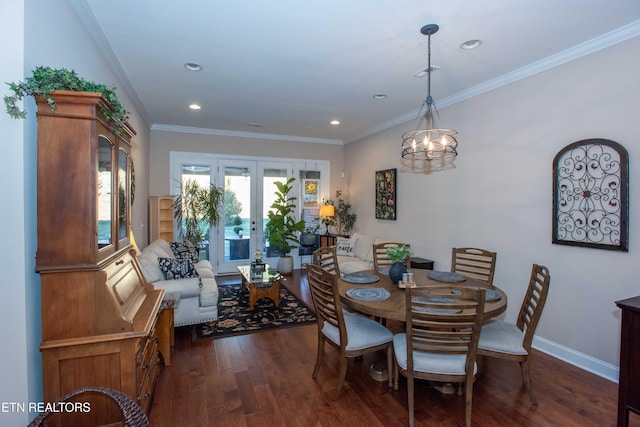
x=591 y=195
x=386 y=194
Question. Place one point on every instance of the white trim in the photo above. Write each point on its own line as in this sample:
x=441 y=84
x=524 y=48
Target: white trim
x=575 y=358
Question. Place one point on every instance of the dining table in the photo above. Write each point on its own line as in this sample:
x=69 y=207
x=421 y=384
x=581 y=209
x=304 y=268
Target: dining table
x=394 y=306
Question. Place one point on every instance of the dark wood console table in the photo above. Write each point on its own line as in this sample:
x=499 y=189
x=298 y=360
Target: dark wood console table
x=629 y=382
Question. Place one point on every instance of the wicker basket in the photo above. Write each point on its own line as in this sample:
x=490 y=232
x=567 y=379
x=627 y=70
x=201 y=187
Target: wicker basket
x=132 y=413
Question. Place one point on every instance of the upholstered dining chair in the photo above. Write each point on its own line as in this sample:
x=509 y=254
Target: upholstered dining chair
x=474 y=262
x=326 y=258
x=352 y=334
x=441 y=339
x=511 y=341
x=380 y=258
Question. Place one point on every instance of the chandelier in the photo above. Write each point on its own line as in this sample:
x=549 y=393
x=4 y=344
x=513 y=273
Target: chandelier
x=427 y=141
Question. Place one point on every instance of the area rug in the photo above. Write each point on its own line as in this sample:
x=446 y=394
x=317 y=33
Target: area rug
x=235 y=318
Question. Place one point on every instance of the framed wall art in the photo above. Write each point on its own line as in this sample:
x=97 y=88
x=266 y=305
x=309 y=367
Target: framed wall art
x=591 y=195
x=311 y=193
x=386 y=194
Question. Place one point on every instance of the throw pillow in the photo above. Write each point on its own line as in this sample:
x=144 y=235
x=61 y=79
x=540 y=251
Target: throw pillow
x=345 y=246
x=175 y=268
x=185 y=250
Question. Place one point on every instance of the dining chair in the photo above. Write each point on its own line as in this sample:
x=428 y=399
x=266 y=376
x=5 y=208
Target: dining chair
x=327 y=258
x=380 y=258
x=474 y=262
x=511 y=341
x=440 y=340
x=352 y=334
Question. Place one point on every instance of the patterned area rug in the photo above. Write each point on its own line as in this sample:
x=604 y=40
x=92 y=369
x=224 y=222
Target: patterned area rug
x=235 y=318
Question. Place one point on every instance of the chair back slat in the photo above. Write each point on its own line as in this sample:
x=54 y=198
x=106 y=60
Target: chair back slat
x=327 y=258
x=474 y=262
x=326 y=300
x=380 y=258
x=533 y=303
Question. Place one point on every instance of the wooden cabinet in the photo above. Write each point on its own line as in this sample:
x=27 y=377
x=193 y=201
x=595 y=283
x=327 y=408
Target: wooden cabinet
x=330 y=239
x=98 y=313
x=161 y=219
x=629 y=382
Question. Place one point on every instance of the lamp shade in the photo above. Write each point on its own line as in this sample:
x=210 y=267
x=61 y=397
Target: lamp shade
x=327 y=210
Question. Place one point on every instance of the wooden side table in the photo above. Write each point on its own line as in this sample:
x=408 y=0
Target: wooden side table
x=165 y=329
x=629 y=382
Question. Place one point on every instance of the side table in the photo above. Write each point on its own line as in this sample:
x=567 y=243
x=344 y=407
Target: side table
x=165 y=326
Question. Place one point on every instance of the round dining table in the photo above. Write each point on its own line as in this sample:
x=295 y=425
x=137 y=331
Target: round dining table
x=394 y=307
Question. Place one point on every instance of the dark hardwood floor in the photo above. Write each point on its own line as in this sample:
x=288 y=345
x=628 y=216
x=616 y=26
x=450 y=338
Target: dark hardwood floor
x=264 y=379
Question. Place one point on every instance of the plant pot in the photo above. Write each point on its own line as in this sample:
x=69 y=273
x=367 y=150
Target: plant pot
x=395 y=272
x=285 y=265
x=308 y=239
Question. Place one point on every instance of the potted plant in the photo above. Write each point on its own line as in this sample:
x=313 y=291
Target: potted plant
x=44 y=81
x=398 y=255
x=308 y=236
x=196 y=209
x=282 y=229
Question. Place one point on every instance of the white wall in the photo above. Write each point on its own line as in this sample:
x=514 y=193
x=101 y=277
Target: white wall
x=14 y=386
x=499 y=194
x=53 y=34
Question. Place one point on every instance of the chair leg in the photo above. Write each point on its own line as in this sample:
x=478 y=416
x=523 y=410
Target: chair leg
x=468 y=396
x=342 y=373
x=410 y=390
x=526 y=377
x=318 y=356
x=390 y=364
x=396 y=374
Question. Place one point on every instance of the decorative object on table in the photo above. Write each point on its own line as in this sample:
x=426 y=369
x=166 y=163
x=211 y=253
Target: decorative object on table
x=327 y=212
x=398 y=256
x=197 y=209
x=446 y=276
x=235 y=317
x=428 y=141
x=368 y=294
x=283 y=229
x=45 y=80
x=591 y=195
x=386 y=194
x=308 y=236
x=343 y=219
x=360 y=278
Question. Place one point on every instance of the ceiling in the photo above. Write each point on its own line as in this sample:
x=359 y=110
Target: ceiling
x=286 y=68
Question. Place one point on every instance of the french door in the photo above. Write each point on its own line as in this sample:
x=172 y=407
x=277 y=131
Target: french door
x=249 y=192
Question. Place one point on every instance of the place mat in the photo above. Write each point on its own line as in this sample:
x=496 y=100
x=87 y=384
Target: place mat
x=360 y=278
x=437 y=310
x=368 y=294
x=490 y=294
x=446 y=276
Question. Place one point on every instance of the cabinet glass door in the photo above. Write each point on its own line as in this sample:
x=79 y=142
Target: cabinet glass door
x=105 y=196
x=123 y=194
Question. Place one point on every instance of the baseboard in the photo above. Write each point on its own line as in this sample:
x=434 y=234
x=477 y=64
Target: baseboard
x=575 y=358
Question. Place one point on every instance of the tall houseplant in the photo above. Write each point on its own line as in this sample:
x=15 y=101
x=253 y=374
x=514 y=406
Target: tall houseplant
x=283 y=229
x=196 y=209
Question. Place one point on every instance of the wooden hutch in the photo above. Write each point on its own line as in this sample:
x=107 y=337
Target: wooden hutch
x=98 y=312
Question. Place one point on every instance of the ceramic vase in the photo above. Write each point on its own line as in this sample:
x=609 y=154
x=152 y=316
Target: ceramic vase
x=395 y=272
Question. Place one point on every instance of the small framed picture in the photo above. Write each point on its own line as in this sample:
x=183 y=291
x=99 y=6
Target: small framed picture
x=386 y=194
x=311 y=193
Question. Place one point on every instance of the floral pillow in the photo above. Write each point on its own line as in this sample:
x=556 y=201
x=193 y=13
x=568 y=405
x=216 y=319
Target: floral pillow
x=185 y=250
x=345 y=246
x=176 y=268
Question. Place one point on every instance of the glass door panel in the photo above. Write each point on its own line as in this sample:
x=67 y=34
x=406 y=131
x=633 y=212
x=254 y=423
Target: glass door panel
x=123 y=194
x=269 y=177
x=105 y=196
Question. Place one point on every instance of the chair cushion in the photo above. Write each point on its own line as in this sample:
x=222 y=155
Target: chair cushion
x=174 y=268
x=447 y=364
x=150 y=268
x=503 y=337
x=362 y=332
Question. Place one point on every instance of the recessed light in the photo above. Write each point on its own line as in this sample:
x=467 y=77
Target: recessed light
x=470 y=44
x=379 y=96
x=192 y=66
x=335 y=122
x=195 y=106
x=254 y=125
